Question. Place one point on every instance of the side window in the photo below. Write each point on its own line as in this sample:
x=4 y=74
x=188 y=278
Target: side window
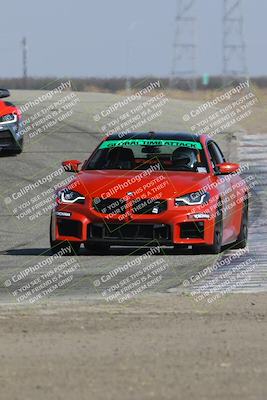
x=219 y=153
x=216 y=155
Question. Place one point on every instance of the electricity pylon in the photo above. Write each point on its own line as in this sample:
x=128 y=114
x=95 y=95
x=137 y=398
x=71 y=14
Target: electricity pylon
x=234 y=48
x=184 y=47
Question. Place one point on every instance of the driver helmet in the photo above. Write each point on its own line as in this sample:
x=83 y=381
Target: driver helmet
x=185 y=157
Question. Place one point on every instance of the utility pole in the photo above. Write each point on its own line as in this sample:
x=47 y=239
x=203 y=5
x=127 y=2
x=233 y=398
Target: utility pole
x=25 y=61
x=234 y=48
x=128 y=60
x=184 y=47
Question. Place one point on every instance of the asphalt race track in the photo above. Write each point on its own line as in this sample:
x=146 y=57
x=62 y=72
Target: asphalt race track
x=25 y=243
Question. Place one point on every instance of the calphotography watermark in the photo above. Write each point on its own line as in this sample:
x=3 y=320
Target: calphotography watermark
x=47 y=112
x=133 y=112
x=230 y=273
x=132 y=278
x=223 y=112
x=30 y=201
x=50 y=275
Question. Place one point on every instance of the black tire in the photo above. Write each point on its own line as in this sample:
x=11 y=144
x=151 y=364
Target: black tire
x=19 y=149
x=17 y=152
x=216 y=247
x=242 y=238
x=97 y=248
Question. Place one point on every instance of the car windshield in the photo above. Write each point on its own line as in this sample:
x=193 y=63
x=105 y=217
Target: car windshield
x=140 y=154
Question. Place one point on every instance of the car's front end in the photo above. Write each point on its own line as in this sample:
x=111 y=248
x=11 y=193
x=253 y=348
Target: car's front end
x=11 y=138
x=134 y=221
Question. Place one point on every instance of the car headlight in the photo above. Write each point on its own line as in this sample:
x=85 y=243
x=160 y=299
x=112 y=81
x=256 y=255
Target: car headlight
x=8 y=119
x=192 y=199
x=69 y=197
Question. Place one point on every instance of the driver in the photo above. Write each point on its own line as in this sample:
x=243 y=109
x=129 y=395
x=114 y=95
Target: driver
x=185 y=158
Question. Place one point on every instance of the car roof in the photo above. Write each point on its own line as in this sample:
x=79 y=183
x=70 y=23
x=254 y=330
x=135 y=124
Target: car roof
x=156 y=135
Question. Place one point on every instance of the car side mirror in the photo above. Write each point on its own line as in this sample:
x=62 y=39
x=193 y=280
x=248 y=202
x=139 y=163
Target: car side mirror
x=71 y=165
x=4 y=93
x=227 y=168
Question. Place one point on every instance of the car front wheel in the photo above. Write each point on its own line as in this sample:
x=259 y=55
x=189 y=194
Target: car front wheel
x=216 y=247
x=242 y=238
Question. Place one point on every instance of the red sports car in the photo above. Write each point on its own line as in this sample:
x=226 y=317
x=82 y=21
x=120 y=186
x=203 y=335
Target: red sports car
x=147 y=189
x=11 y=139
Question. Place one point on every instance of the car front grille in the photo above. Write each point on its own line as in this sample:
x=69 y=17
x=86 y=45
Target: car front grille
x=129 y=231
x=149 y=206
x=109 y=206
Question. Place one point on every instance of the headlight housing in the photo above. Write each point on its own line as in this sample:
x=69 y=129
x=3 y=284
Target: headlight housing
x=69 y=197
x=8 y=119
x=192 y=199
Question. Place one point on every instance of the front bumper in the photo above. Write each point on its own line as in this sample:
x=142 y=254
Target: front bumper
x=176 y=225
x=10 y=137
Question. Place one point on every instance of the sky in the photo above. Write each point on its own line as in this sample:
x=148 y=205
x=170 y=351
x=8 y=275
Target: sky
x=107 y=38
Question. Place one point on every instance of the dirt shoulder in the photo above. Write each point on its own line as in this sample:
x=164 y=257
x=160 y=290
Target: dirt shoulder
x=162 y=346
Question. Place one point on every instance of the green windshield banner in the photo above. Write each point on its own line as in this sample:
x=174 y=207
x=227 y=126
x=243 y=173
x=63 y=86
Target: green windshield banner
x=150 y=142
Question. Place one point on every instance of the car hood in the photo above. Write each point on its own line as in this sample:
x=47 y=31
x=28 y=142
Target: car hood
x=117 y=184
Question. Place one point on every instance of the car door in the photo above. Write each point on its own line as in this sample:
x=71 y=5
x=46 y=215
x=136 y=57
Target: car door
x=227 y=195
